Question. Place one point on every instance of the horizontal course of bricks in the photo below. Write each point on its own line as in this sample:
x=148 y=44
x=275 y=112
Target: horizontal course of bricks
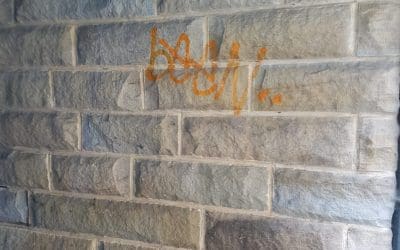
x=95 y=155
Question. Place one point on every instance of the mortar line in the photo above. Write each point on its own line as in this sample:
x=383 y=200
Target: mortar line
x=199 y=207
x=80 y=131
x=141 y=79
x=180 y=120
x=357 y=126
x=131 y=176
x=212 y=160
x=202 y=231
x=221 y=64
x=74 y=49
x=270 y=185
x=51 y=89
x=250 y=86
x=174 y=16
x=345 y=244
x=354 y=24
x=49 y=172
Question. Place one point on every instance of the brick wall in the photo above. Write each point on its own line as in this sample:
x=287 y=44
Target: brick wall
x=103 y=148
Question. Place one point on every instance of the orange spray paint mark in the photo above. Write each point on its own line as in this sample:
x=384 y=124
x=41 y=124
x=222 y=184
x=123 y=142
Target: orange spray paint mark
x=262 y=95
x=194 y=68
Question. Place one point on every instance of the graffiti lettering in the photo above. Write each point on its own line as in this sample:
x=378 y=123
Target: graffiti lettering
x=193 y=69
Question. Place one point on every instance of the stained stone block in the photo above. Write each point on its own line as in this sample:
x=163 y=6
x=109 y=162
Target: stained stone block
x=36 y=46
x=13 y=206
x=325 y=141
x=366 y=86
x=99 y=175
x=55 y=10
x=378 y=143
x=21 y=239
x=209 y=184
x=139 y=134
x=24 y=89
x=129 y=43
x=379 y=29
x=109 y=90
x=308 y=32
x=23 y=169
x=367 y=239
x=55 y=131
x=228 y=231
x=165 y=225
x=346 y=197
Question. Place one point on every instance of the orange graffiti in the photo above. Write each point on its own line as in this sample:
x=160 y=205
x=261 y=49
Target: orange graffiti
x=173 y=57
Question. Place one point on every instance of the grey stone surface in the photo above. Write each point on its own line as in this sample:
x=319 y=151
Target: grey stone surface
x=328 y=141
x=129 y=43
x=13 y=206
x=309 y=32
x=35 y=46
x=99 y=175
x=23 y=169
x=347 y=197
x=55 y=131
x=226 y=231
x=379 y=29
x=166 y=94
x=22 y=239
x=121 y=246
x=24 y=89
x=366 y=86
x=378 y=143
x=210 y=184
x=49 y=10
x=187 y=6
x=6 y=11
x=139 y=134
x=167 y=225
x=366 y=239
x=309 y=2
x=97 y=90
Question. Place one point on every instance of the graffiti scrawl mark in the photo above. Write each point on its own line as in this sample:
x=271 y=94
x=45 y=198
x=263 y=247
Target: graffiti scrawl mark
x=193 y=68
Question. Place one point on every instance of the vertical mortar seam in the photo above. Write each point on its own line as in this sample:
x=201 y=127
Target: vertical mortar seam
x=250 y=69
x=270 y=185
x=51 y=89
x=80 y=131
x=354 y=23
x=49 y=172
x=141 y=80
x=131 y=182
x=74 y=46
x=202 y=230
x=180 y=133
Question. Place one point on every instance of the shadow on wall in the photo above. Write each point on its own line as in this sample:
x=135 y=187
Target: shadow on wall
x=396 y=214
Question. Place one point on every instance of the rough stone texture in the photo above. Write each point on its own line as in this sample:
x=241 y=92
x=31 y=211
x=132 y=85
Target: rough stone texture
x=329 y=27
x=367 y=86
x=55 y=131
x=219 y=185
x=35 y=46
x=23 y=169
x=45 y=10
x=6 y=11
x=24 y=89
x=378 y=29
x=187 y=6
x=22 y=239
x=310 y=2
x=226 y=231
x=378 y=143
x=165 y=94
x=347 y=197
x=144 y=222
x=369 y=239
x=296 y=140
x=13 y=206
x=119 y=246
x=139 y=134
x=99 y=175
x=128 y=43
x=97 y=90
